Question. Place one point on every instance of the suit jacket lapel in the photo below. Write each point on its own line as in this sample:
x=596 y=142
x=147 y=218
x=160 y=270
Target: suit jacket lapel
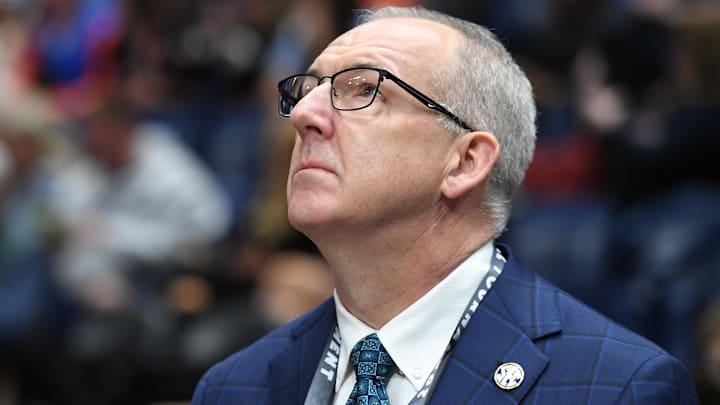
x=519 y=309
x=291 y=372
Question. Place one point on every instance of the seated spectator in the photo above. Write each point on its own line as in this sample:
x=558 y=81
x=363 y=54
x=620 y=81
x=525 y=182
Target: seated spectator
x=25 y=224
x=707 y=377
x=290 y=284
x=159 y=200
x=40 y=183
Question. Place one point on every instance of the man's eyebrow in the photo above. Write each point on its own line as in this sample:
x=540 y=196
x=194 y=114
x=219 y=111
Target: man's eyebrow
x=367 y=65
x=312 y=70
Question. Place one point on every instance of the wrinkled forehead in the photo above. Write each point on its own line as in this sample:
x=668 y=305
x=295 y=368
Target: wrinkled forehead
x=402 y=45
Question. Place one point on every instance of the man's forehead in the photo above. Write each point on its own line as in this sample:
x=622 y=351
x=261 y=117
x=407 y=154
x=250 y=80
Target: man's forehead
x=395 y=39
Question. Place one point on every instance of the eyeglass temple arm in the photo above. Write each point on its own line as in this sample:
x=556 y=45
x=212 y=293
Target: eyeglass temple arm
x=427 y=101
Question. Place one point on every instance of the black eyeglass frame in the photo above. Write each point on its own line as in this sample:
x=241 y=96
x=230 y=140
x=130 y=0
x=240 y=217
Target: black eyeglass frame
x=383 y=74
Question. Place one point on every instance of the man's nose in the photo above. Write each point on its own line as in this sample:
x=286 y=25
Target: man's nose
x=312 y=115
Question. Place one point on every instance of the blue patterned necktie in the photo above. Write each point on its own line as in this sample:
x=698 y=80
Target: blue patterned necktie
x=373 y=367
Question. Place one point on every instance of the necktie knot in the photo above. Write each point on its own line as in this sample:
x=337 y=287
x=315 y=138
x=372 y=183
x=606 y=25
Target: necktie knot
x=373 y=366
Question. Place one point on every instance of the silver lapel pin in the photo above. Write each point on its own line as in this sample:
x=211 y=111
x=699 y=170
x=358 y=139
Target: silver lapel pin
x=509 y=376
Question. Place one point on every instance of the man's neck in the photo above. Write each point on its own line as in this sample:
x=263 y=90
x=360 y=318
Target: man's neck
x=378 y=277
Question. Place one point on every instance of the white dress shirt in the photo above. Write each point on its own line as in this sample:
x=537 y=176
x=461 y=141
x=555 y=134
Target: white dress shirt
x=417 y=337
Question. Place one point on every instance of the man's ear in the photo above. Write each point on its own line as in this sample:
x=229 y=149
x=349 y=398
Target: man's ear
x=474 y=156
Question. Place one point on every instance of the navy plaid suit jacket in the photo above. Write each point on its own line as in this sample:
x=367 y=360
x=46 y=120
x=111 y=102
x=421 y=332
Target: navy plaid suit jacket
x=570 y=354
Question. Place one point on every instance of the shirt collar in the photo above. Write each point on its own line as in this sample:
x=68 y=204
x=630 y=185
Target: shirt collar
x=424 y=327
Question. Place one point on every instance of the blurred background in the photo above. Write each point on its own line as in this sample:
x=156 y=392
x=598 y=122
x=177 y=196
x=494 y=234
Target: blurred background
x=143 y=230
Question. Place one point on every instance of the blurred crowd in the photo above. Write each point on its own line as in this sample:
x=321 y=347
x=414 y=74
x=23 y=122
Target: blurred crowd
x=143 y=230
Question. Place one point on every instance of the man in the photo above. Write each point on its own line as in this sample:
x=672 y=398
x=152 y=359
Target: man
x=404 y=197
x=158 y=201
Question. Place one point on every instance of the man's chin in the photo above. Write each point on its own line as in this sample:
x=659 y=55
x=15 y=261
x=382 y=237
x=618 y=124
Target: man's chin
x=313 y=223
x=302 y=215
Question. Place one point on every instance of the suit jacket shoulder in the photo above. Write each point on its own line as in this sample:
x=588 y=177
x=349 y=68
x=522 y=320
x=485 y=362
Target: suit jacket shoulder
x=267 y=370
x=569 y=352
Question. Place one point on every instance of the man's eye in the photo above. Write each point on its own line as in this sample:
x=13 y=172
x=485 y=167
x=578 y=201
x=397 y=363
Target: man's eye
x=360 y=89
x=366 y=90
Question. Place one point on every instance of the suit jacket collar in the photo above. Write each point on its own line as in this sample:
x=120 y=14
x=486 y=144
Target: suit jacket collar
x=519 y=309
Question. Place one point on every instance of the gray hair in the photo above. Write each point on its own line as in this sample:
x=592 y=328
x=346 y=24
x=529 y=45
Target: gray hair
x=489 y=91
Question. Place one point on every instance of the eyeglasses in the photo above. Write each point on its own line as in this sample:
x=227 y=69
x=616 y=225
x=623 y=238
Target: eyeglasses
x=351 y=89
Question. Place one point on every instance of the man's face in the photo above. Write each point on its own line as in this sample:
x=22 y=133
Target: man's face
x=109 y=141
x=366 y=170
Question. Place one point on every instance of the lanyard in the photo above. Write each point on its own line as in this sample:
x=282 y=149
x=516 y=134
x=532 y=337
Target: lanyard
x=323 y=383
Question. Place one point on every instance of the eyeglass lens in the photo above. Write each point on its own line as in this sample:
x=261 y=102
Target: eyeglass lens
x=293 y=89
x=352 y=89
x=355 y=89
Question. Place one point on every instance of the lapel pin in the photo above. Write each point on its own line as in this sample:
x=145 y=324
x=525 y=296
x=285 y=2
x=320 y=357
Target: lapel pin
x=509 y=376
